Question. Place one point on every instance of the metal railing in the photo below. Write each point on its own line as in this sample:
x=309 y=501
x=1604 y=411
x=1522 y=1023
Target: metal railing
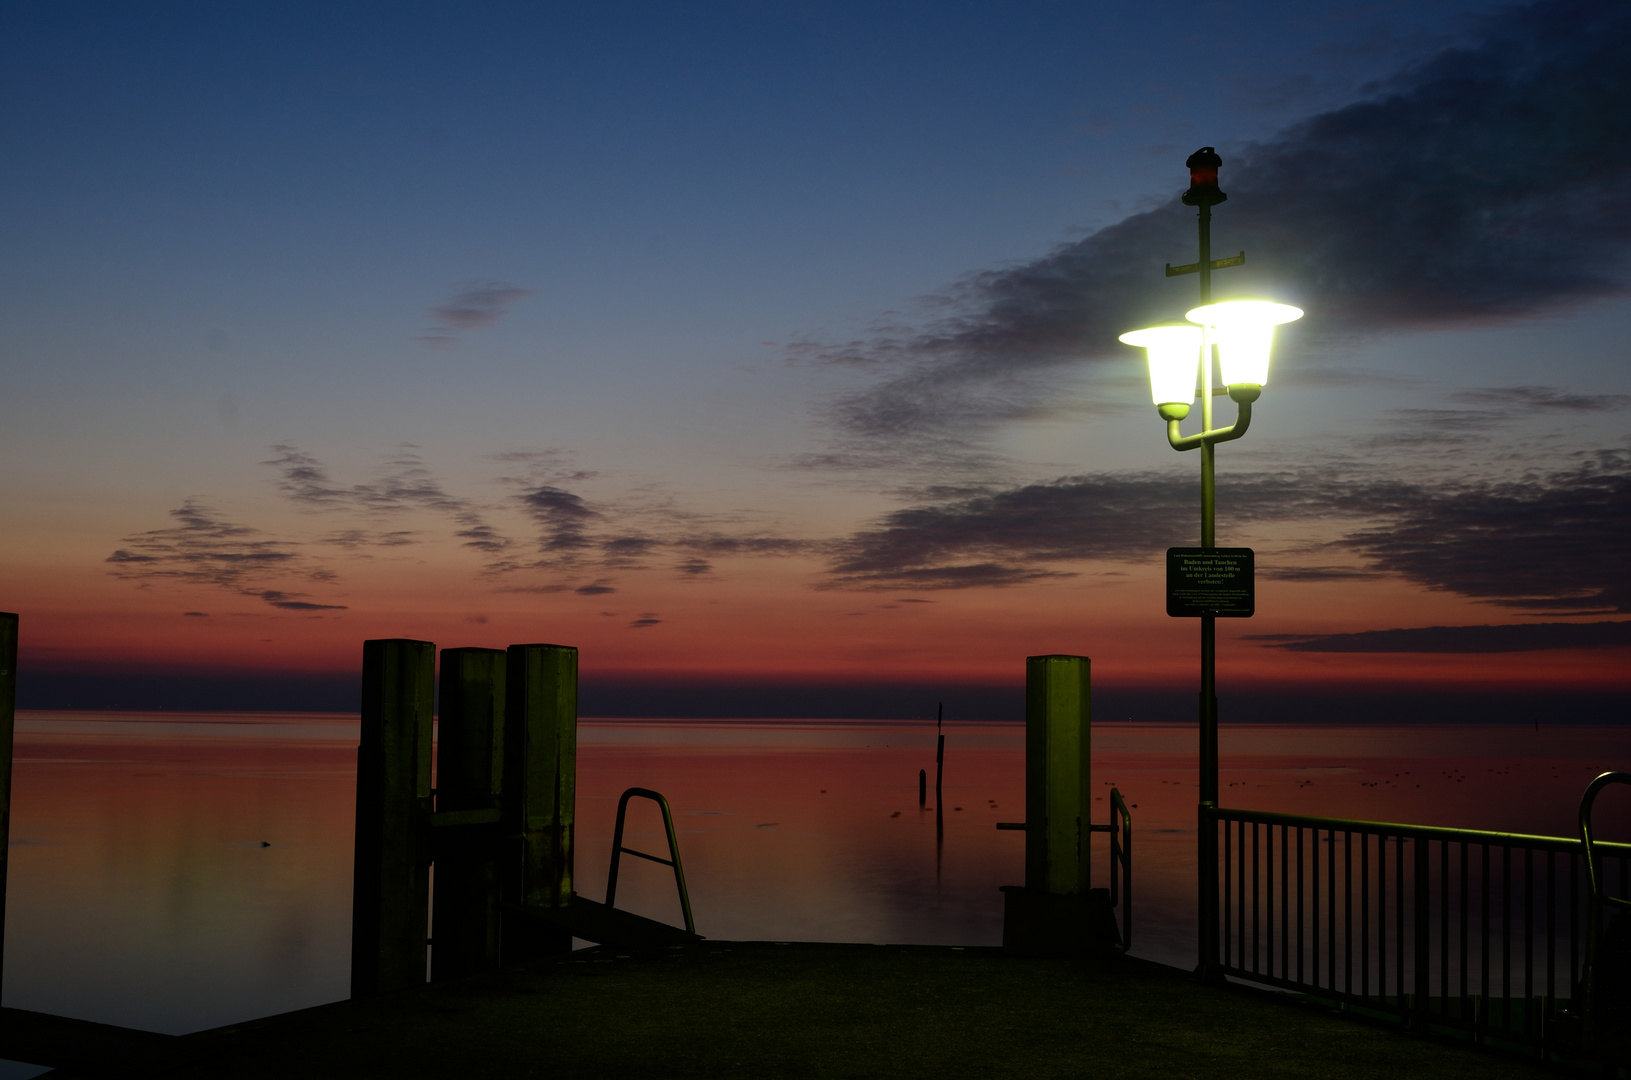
x=673 y=852
x=1120 y=829
x=1452 y=931
x=1121 y=862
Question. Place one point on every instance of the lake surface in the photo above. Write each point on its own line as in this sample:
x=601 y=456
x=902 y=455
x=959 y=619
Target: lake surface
x=176 y=872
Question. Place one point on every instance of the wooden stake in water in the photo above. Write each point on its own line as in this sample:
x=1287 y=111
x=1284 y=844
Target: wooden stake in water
x=922 y=788
x=390 y=899
x=8 y=714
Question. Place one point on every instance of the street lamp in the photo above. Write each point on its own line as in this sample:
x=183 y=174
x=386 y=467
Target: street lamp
x=1241 y=332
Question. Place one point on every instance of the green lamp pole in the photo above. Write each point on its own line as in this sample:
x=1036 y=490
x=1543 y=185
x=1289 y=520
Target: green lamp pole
x=1241 y=332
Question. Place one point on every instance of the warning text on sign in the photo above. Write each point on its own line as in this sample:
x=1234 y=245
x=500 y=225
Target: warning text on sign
x=1210 y=581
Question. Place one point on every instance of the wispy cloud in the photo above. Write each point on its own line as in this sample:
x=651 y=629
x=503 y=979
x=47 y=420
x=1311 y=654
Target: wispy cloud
x=203 y=548
x=405 y=484
x=473 y=305
x=1483 y=185
x=1521 y=637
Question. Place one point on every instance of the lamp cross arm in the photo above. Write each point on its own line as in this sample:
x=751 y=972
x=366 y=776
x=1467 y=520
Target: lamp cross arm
x=1243 y=420
x=1217 y=264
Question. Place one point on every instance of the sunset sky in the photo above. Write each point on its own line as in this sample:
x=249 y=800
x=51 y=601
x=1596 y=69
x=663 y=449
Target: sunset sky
x=768 y=353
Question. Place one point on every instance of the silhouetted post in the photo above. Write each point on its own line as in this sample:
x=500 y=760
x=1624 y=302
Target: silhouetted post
x=540 y=783
x=391 y=890
x=469 y=777
x=1049 y=916
x=939 y=753
x=8 y=715
x=1058 y=744
x=922 y=788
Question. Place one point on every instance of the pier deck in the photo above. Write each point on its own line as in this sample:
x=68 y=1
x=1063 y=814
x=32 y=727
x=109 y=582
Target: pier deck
x=764 y=1010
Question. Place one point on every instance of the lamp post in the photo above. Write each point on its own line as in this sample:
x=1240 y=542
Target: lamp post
x=1241 y=332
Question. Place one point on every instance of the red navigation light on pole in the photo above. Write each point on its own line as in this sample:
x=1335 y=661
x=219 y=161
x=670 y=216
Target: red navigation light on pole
x=1203 y=178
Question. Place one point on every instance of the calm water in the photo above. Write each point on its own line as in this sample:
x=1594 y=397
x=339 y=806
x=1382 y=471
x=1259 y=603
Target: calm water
x=182 y=872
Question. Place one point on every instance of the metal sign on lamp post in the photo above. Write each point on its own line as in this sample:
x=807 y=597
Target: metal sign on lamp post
x=1240 y=333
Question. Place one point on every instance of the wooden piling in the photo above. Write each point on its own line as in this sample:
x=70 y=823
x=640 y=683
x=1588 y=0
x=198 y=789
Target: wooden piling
x=469 y=777
x=1058 y=799
x=540 y=782
x=8 y=715
x=391 y=886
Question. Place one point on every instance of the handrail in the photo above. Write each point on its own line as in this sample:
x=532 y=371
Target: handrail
x=673 y=850
x=1121 y=863
x=1416 y=923
x=1590 y=990
x=1121 y=859
x=1433 y=832
x=1592 y=877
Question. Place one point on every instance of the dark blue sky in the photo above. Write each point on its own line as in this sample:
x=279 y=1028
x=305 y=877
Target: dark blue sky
x=748 y=339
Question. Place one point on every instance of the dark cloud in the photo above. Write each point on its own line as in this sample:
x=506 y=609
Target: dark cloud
x=562 y=515
x=1315 y=573
x=1547 y=542
x=405 y=484
x=1542 y=542
x=355 y=539
x=483 y=538
x=999 y=538
x=287 y=601
x=597 y=589
x=1543 y=398
x=1485 y=184
x=694 y=567
x=202 y=548
x=648 y=619
x=1525 y=637
x=720 y=545
x=474 y=305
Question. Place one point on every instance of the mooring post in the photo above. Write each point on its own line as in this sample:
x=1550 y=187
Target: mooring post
x=8 y=714
x=1050 y=914
x=1058 y=744
x=469 y=777
x=391 y=887
x=540 y=784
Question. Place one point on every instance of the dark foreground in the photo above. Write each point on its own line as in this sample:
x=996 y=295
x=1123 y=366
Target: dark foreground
x=763 y=1010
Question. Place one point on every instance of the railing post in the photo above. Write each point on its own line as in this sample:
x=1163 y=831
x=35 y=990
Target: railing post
x=469 y=776
x=391 y=886
x=8 y=715
x=541 y=742
x=1421 y=921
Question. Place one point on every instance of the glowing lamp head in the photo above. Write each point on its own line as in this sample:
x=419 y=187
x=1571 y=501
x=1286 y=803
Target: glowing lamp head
x=1175 y=355
x=1243 y=331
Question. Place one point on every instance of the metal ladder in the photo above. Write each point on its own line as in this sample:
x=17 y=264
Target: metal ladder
x=673 y=850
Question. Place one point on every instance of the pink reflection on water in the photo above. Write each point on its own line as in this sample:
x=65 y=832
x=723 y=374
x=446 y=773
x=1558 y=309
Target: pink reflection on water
x=140 y=893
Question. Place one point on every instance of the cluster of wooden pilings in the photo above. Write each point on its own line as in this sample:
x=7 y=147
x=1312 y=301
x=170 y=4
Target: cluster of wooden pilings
x=497 y=825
